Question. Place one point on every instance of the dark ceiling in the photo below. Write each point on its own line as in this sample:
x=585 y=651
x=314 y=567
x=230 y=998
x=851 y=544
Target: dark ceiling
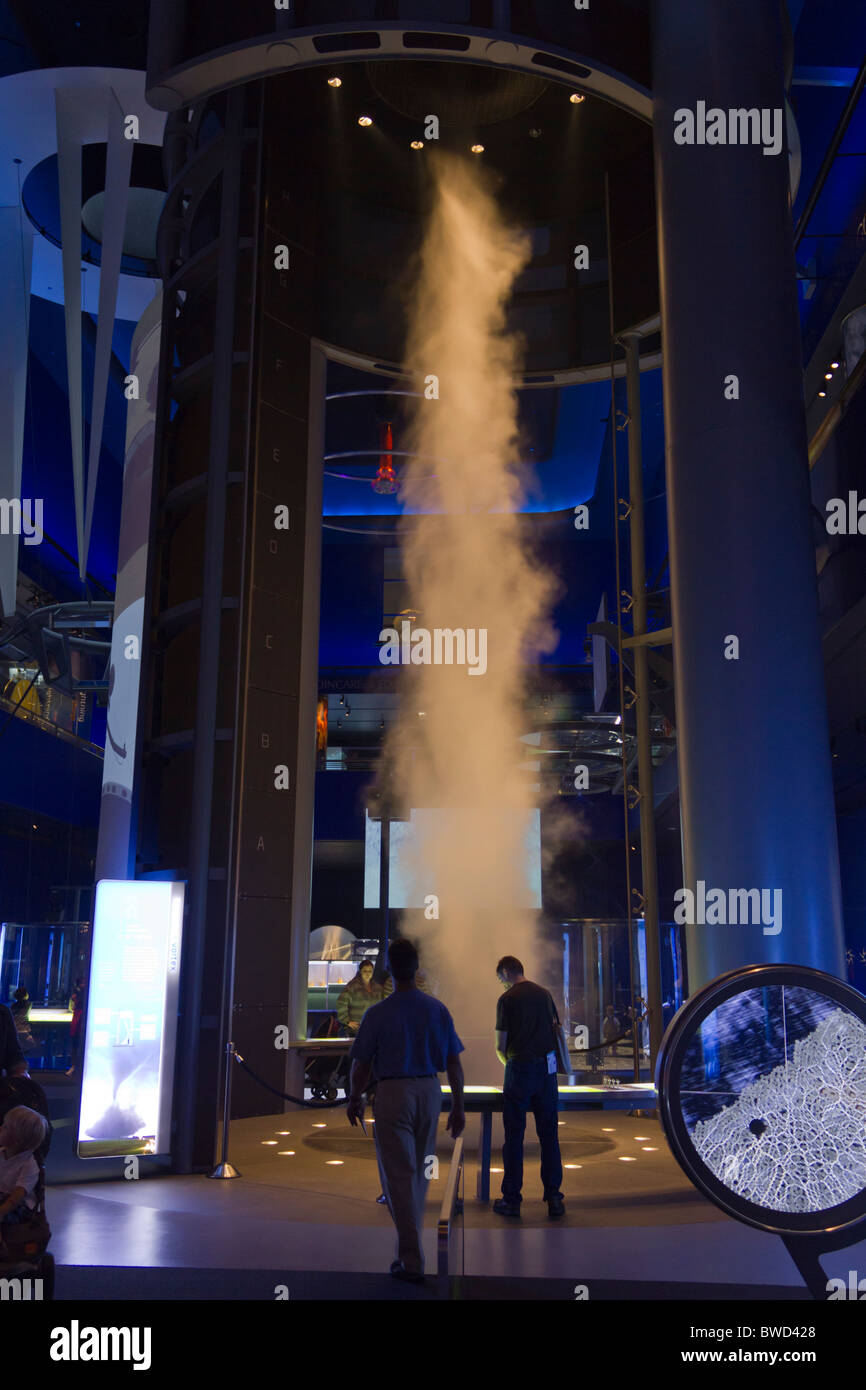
x=546 y=157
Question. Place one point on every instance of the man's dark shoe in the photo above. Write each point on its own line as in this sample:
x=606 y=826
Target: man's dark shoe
x=503 y=1208
x=555 y=1208
x=399 y=1271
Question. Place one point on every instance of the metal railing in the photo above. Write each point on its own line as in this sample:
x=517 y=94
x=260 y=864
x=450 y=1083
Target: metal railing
x=447 y=1211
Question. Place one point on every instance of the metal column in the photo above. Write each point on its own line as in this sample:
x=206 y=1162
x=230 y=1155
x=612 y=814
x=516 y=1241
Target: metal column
x=209 y=645
x=755 y=777
x=649 y=866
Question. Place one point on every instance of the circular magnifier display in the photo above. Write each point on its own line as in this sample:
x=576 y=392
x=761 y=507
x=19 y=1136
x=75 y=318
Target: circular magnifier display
x=762 y=1095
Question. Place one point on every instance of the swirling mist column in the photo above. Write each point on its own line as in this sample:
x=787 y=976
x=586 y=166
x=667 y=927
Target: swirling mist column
x=456 y=748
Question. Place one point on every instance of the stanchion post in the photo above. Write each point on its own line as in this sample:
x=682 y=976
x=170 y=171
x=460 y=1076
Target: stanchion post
x=224 y=1169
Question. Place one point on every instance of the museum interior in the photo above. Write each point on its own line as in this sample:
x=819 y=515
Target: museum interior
x=521 y=345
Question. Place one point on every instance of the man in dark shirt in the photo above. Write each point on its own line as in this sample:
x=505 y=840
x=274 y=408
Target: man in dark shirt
x=405 y=1041
x=526 y=1046
x=12 y=1060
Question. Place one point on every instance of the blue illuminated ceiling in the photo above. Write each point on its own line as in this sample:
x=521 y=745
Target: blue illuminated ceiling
x=563 y=431
x=829 y=47
x=566 y=430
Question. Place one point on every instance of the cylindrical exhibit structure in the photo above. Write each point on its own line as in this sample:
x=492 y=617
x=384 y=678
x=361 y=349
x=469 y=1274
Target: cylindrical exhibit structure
x=761 y=875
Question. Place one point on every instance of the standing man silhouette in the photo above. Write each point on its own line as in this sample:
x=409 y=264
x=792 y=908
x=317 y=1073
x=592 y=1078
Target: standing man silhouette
x=404 y=1042
x=526 y=1046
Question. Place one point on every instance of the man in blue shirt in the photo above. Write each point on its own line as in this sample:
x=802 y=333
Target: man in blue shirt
x=404 y=1042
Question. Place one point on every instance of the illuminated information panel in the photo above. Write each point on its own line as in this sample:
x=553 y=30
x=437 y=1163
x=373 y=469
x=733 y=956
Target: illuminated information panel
x=131 y=1019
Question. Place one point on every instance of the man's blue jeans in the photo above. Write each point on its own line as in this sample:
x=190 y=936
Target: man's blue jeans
x=529 y=1086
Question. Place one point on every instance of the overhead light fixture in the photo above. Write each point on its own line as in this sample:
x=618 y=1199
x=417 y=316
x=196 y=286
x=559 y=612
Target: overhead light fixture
x=477 y=149
x=416 y=145
x=828 y=376
x=365 y=120
x=822 y=393
x=335 y=81
x=576 y=97
x=535 y=132
x=834 y=365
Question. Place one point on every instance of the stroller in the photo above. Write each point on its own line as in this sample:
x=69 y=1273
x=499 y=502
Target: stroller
x=23 y=1249
x=324 y=1075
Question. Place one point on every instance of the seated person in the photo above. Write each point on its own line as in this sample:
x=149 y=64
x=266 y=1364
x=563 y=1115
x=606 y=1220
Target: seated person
x=357 y=997
x=21 y=1133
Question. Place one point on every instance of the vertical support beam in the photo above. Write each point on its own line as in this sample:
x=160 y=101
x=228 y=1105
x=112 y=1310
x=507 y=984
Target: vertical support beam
x=165 y=38
x=755 y=778
x=384 y=890
x=70 y=105
x=649 y=866
x=190 y=1047
x=308 y=684
x=117 y=174
x=115 y=851
x=16 y=251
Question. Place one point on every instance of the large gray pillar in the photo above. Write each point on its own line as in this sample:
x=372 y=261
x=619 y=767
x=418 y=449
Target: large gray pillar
x=755 y=782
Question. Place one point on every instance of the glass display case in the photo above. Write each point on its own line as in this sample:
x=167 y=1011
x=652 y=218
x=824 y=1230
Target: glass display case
x=604 y=986
x=47 y=959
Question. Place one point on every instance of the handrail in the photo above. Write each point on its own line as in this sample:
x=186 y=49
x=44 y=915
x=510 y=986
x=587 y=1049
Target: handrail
x=446 y=1213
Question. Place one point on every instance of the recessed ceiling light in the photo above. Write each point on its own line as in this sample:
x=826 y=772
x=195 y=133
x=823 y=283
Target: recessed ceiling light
x=416 y=145
x=822 y=393
x=477 y=149
x=270 y=1141
x=335 y=81
x=648 y=1149
x=334 y=1162
x=828 y=376
x=320 y=1126
x=365 y=120
x=625 y=1158
x=576 y=97
x=285 y=1152
x=572 y=1165
x=834 y=365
